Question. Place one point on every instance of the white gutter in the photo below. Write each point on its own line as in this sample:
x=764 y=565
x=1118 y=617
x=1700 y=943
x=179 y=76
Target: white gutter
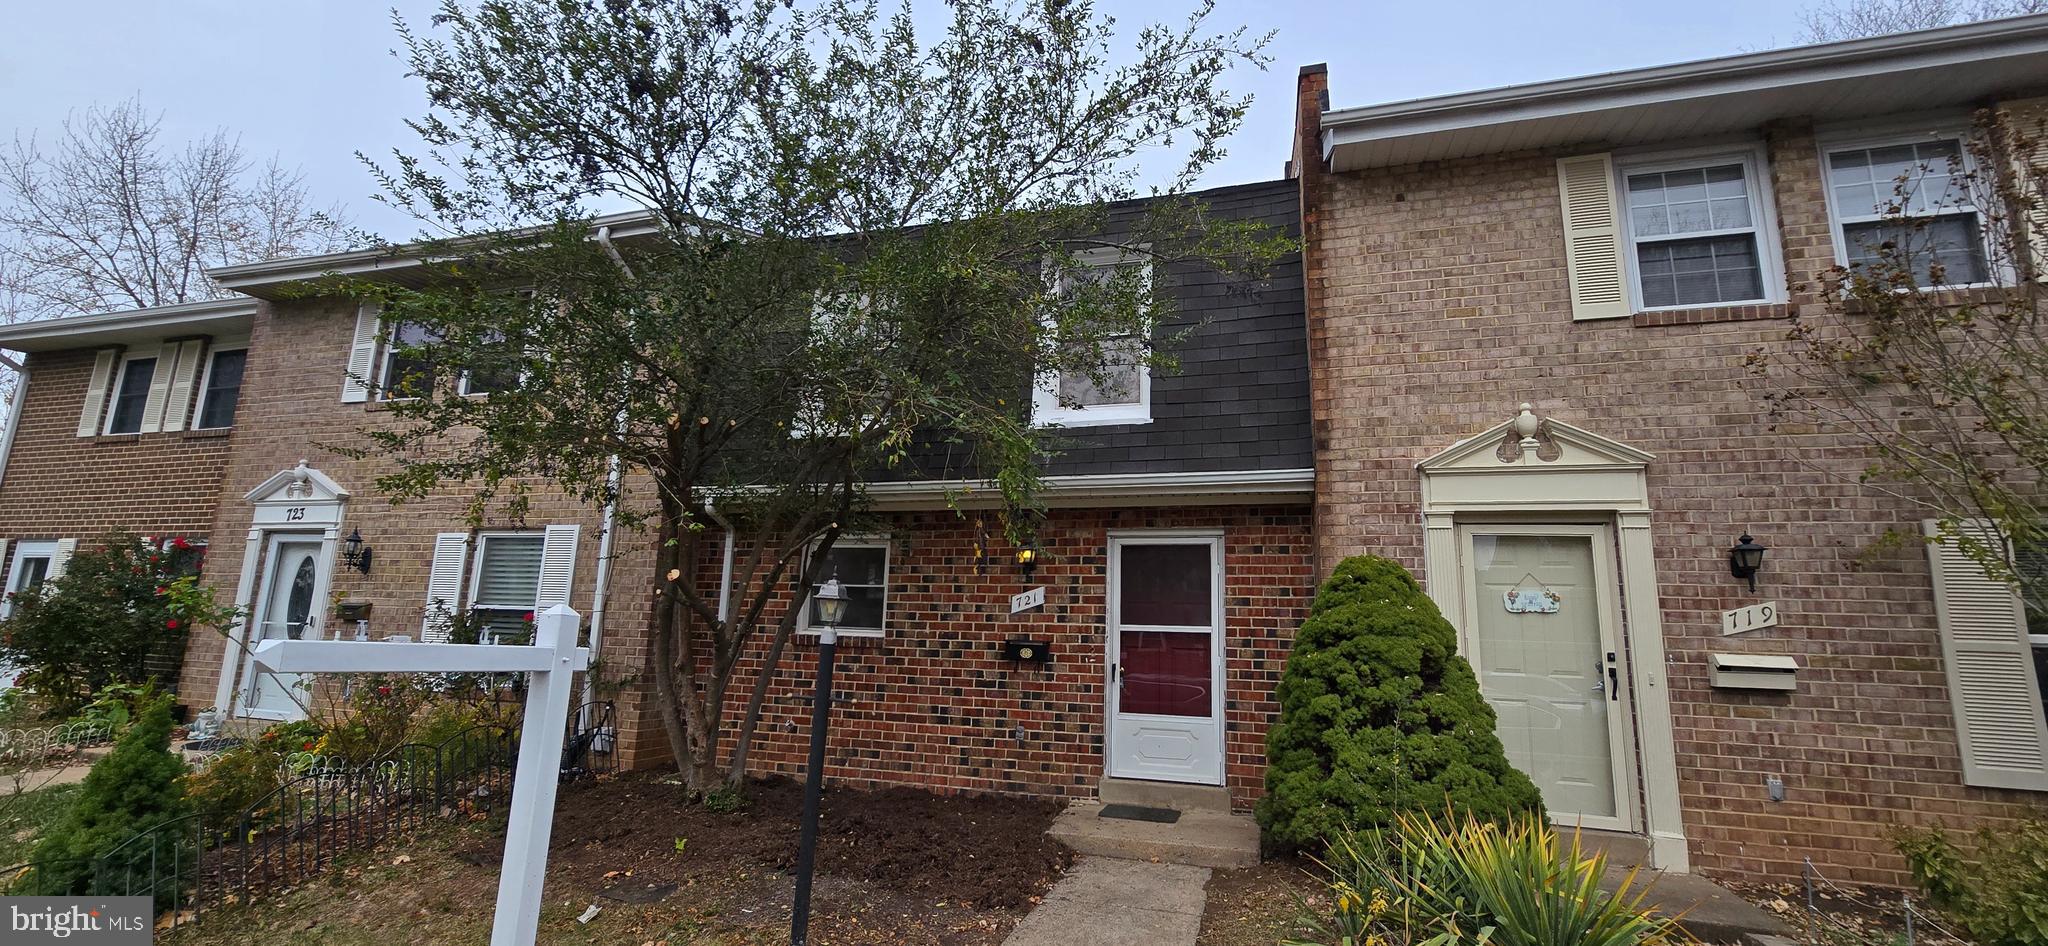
x=1971 y=42
x=1059 y=490
x=51 y=333
x=13 y=419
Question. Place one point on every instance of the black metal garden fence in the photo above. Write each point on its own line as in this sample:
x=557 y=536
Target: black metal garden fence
x=200 y=862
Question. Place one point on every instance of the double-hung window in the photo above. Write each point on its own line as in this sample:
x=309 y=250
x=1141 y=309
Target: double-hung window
x=31 y=567
x=222 y=389
x=1120 y=391
x=862 y=567
x=1699 y=231
x=1907 y=202
x=504 y=583
x=131 y=395
x=406 y=373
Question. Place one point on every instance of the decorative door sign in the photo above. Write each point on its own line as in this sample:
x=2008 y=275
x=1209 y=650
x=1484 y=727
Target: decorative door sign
x=1537 y=600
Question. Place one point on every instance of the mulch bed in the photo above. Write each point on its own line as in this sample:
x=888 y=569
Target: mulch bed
x=637 y=830
x=1260 y=906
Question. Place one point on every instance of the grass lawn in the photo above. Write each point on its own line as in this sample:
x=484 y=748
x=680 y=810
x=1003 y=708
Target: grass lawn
x=24 y=814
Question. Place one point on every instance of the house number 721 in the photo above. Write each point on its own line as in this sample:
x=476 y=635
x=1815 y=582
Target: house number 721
x=295 y=513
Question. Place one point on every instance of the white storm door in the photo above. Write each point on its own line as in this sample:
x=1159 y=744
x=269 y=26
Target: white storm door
x=287 y=609
x=1542 y=614
x=1166 y=658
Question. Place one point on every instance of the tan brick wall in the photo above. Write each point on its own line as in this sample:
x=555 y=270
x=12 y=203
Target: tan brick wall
x=61 y=485
x=1442 y=304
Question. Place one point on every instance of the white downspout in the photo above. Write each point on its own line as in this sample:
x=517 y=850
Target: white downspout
x=725 y=570
x=613 y=476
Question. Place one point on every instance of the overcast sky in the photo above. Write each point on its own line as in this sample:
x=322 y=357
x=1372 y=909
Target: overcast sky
x=313 y=80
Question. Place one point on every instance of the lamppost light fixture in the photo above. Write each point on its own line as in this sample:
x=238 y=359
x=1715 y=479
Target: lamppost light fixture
x=354 y=554
x=1746 y=559
x=831 y=602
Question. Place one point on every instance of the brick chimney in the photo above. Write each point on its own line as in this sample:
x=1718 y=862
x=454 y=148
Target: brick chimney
x=1311 y=99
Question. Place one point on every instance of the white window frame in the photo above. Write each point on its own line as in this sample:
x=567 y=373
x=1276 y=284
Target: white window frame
x=387 y=344
x=23 y=551
x=1763 y=217
x=1881 y=136
x=476 y=566
x=1046 y=409
x=803 y=620
x=206 y=386
x=114 y=391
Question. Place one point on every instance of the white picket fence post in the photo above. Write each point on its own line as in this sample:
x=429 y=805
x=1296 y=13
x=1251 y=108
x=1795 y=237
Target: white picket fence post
x=551 y=663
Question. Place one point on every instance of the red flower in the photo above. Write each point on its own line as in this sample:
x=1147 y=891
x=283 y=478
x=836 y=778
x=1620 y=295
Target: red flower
x=180 y=543
x=529 y=617
x=383 y=691
x=171 y=624
x=308 y=747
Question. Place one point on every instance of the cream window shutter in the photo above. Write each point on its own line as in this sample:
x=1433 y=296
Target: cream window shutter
x=182 y=375
x=1990 y=663
x=444 y=585
x=557 y=567
x=2029 y=121
x=58 y=562
x=96 y=392
x=362 y=355
x=159 y=388
x=1592 y=237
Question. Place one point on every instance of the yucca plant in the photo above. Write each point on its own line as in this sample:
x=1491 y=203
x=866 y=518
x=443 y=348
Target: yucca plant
x=1443 y=881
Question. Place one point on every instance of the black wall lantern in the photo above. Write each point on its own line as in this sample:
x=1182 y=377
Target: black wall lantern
x=1027 y=558
x=354 y=554
x=1746 y=559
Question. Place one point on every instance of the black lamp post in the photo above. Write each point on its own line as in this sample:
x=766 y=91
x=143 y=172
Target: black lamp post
x=831 y=598
x=1746 y=559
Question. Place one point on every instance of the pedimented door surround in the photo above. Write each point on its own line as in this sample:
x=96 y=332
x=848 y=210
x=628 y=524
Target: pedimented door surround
x=1530 y=468
x=297 y=505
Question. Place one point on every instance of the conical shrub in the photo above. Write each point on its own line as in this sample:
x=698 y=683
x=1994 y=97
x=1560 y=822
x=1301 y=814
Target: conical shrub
x=1379 y=715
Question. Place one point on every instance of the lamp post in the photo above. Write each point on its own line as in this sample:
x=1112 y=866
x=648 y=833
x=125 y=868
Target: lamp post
x=831 y=598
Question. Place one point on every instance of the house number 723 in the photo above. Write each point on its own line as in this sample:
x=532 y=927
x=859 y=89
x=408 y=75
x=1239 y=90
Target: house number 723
x=295 y=513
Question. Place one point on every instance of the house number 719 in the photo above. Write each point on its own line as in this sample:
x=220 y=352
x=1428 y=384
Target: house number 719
x=1756 y=617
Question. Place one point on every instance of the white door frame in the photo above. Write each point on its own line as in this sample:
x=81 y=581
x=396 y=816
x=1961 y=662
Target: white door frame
x=1620 y=730
x=274 y=543
x=300 y=502
x=1533 y=467
x=1118 y=538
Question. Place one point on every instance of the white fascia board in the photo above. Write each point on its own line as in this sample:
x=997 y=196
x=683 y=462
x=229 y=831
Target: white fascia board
x=1084 y=489
x=80 y=330
x=1750 y=72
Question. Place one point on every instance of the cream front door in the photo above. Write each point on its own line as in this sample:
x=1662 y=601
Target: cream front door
x=1542 y=613
x=1166 y=657
x=287 y=610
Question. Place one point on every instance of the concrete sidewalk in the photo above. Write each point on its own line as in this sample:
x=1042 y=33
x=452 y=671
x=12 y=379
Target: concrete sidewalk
x=1105 y=901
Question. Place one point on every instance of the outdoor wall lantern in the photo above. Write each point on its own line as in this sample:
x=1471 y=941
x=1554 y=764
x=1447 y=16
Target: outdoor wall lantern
x=1027 y=558
x=354 y=554
x=1746 y=559
x=831 y=598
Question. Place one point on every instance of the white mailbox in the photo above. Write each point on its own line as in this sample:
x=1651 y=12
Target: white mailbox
x=1753 y=672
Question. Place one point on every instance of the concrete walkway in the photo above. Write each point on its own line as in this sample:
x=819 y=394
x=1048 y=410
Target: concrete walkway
x=1105 y=901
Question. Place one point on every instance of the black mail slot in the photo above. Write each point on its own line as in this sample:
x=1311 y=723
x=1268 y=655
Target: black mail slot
x=1038 y=652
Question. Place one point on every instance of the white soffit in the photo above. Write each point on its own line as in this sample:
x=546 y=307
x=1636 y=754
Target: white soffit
x=1948 y=68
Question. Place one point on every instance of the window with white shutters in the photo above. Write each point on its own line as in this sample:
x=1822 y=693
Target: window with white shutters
x=1696 y=231
x=505 y=583
x=131 y=395
x=2001 y=724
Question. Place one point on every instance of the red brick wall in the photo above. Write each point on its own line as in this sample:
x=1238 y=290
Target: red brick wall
x=934 y=704
x=1442 y=304
x=61 y=485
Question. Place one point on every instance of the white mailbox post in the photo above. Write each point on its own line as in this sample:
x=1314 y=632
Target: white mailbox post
x=550 y=662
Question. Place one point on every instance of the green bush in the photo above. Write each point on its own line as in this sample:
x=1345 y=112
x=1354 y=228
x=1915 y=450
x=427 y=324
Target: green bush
x=119 y=614
x=2000 y=895
x=135 y=787
x=1379 y=716
x=1456 y=880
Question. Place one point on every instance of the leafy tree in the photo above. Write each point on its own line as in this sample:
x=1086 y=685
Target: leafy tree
x=118 y=614
x=855 y=252
x=1930 y=351
x=1380 y=717
x=134 y=788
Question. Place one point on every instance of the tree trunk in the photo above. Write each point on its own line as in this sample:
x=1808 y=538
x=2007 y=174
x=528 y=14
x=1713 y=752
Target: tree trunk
x=663 y=630
x=744 y=741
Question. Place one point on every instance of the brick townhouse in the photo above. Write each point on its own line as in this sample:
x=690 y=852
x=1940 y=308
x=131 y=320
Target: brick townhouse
x=1529 y=312
x=1177 y=548
x=1497 y=360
